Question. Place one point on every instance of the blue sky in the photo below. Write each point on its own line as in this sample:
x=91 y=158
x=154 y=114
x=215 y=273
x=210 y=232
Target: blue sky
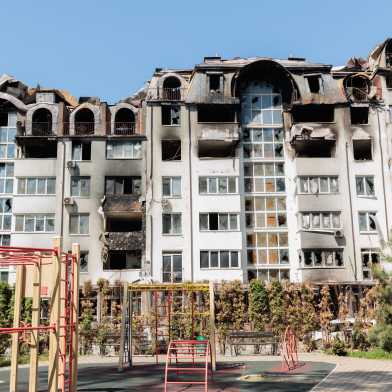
x=109 y=48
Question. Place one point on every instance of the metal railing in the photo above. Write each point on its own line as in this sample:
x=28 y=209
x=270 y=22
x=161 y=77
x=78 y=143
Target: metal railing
x=84 y=128
x=166 y=94
x=357 y=94
x=124 y=128
x=41 y=129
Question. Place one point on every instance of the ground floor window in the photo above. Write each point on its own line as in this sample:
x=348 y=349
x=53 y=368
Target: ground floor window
x=267 y=275
x=321 y=258
x=172 y=267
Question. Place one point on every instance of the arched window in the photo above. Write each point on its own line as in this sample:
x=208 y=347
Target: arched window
x=357 y=88
x=124 y=122
x=84 y=122
x=41 y=124
x=172 y=88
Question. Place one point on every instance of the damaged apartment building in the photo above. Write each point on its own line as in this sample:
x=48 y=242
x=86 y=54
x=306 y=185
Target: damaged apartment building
x=235 y=169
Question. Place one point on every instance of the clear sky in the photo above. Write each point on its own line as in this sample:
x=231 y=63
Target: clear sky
x=110 y=48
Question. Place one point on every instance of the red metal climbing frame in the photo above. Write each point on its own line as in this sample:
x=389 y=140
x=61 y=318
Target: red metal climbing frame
x=192 y=357
x=290 y=350
x=65 y=330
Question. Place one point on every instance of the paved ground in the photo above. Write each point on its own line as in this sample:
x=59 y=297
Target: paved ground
x=319 y=374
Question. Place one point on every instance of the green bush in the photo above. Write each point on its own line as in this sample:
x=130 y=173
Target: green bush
x=338 y=347
x=385 y=339
x=360 y=339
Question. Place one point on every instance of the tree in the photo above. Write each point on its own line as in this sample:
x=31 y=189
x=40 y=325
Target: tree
x=6 y=314
x=325 y=315
x=259 y=311
x=276 y=303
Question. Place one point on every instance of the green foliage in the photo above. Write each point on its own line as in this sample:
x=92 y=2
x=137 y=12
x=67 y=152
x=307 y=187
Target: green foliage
x=325 y=315
x=277 y=307
x=338 y=347
x=359 y=339
x=6 y=314
x=376 y=353
x=259 y=310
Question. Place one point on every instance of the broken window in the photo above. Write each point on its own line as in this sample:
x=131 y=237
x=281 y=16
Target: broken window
x=216 y=149
x=47 y=149
x=365 y=185
x=123 y=259
x=123 y=224
x=362 y=150
x=359 y=114
x=172 y=89
x=120 y=185
x=171 y=114
x=320 y=220
x=218 y=221
x=367 y=222
x=81 y=151
x=3 y=119
x=369 y=258
x=313 y=113
x=5 y=214
x=84 y=261
x=220 y=184
x=321 y=258
x=214 y=82
x=216 y=113
x=171 y=150
x=314 y=83
x=314 y=148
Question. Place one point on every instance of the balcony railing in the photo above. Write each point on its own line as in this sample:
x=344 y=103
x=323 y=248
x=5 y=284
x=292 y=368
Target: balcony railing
x=166 y=94
x=41 y=129
x=357 y=94
x=84 y=128
x=124 y=128
x=131 y=240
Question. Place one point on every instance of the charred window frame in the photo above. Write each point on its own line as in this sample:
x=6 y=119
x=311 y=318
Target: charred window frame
x=367 y=222
x=171 y=150
x=362 y=150
x=216 y=113
x=369 y=258
x=123 y=185
x=314 y=113
x=171 y=115
x=321 y=258
x=359 y=115
x=315 y=83
x=81 y=151
x=365 y=185
x=268 y=275
x=123 y=259
x=215 y=82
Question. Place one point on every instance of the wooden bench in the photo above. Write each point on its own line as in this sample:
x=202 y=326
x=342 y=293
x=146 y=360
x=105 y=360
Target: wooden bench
x=250 y=338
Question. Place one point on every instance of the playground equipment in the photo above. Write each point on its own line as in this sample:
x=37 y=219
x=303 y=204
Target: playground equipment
x=290 y=350
x=54 y=275
x=191 y=357
x=162 y=297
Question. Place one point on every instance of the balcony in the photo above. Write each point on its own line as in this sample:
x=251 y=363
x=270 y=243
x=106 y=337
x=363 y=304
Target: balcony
x=41 y=129
x=225 y=132
x=122 y=204
x=124 y=128
x=356 y=94
x=166 y=94
x=131 y=240
x=84 y=128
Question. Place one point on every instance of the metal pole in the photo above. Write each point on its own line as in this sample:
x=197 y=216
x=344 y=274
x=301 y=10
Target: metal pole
x=75 y=315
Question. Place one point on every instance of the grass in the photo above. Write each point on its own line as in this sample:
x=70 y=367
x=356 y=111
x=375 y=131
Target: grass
x=375 y=353
x=23 y=360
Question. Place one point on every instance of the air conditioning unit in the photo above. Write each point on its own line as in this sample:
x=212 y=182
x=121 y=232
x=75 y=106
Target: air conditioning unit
x=71 y=164
x=68 y=201
x=339 y=234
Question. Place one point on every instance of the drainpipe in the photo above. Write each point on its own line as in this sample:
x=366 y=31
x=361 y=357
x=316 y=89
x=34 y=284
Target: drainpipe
x=351 y=214
x=152 y=187
x=382 y=172
x=190 y=184
x=62 y=190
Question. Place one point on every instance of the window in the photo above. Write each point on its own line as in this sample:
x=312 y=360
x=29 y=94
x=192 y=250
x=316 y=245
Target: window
x=124 y=149
x=214 y=82
x=218 y=185
x=320 y=220
x=84 y=261
x=265 y=212
x=171 y=267
x=4 y=276
x=222 y=259
x=388 y=80
x=266 y=143
x=80 y=186
x=5 y=240
x=123 y=259
x=79 y=223
x=6 y=178
x=171 y=150
x=263 y=109
x=369 y=258
x=314 y=83
x=362 y=150
x=218 y=221
x=171 y=224
x=7 y=145
x=367 y=222
x=316 y=185
x=170 y=115
x=268 y=275
x=264 y=178
x=365 y=185
x=118 y=185
x=390 y=113
x=81 y=151
x=359 y=114
x=171 y=186
x=36 y=186
x=5 y=213
x=321 y=258
x=313 y=113
x=34 y=223
x=219 y=113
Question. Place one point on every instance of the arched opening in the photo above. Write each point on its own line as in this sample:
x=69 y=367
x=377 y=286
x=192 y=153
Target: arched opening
x=388 y=53
x=41 y=124
x=172 y=89
x=84 y=122
x=124 y=122
x=357 y=88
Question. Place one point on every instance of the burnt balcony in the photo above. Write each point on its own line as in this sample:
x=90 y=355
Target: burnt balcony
x=356 y=94
x=124 y=128
x=131 y=240
x=84 y=128
x=122 y=204
x=166 y=94
x=41 y=129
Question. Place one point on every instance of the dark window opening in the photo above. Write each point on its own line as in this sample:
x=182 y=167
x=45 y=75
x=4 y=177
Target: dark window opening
x=359 y=114
x=388 y=54
x=3 y=119
x=216 y=113
x=84 y=122
x=41 y=122
x=362 y=150
x=314 y=84
x=171 y=150
x=216 y=149
x=81 y=151
x=214 y=81
x=314 y=148
x=123 y=224
x=313 y=113
x=47 y=149
x=118 y=185
x=170 y=115
x=213 y=222
x=121 y=259
x=124 y=122
x=357 y=88
x=388 y=80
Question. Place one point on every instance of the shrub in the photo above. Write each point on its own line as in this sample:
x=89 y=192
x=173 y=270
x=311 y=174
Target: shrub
x=338 y=347
x=360 y=340
x=385 y=339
